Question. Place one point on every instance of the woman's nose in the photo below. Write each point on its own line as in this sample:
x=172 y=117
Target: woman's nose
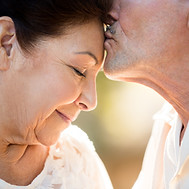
x=87 y=100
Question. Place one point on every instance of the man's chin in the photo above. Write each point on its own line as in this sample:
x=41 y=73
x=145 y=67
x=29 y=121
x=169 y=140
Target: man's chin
x=111 y=70
x=112 y=74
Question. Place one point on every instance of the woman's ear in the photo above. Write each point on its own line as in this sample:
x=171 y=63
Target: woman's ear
x=7 y=38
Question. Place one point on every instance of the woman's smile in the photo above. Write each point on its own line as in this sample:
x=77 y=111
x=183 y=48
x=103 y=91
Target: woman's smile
x=64 y=117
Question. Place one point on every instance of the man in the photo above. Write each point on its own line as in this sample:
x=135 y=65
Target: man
x=148 y=43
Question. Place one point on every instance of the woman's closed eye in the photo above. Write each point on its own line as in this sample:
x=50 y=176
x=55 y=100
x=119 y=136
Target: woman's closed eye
x=78 y=72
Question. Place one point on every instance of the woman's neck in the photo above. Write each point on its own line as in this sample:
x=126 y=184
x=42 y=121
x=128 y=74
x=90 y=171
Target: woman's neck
x=24 y=170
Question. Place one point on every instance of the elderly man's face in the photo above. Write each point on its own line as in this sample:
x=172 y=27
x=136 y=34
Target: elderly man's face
x=148 y=33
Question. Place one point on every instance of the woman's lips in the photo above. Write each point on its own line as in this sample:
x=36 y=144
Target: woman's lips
x=64 y=117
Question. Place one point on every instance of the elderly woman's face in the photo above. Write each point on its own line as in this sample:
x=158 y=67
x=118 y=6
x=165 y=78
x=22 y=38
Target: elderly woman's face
x=46 y=90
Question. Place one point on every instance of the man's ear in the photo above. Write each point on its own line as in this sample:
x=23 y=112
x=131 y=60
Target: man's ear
x=7 y=38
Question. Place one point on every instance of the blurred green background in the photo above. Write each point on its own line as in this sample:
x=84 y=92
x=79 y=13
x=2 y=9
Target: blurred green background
x=120 y=127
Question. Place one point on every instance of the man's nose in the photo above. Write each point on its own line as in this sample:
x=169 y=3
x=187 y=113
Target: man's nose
x=87 y=100
x=114 y=13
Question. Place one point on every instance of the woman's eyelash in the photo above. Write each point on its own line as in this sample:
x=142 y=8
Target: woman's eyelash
x=78 y=72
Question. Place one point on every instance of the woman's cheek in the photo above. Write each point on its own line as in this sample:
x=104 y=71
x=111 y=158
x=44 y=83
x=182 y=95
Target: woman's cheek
x=67 y=91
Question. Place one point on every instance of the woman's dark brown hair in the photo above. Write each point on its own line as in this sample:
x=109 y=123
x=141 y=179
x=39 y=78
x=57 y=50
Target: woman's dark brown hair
x=37 y=18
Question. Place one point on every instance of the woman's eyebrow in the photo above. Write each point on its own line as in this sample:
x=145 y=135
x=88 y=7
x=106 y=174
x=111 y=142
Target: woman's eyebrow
x=88 y=53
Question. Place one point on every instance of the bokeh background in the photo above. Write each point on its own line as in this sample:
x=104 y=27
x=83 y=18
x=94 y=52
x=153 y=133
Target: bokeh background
x=120 y=127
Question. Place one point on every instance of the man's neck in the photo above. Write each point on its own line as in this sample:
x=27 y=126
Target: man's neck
x=171 y=84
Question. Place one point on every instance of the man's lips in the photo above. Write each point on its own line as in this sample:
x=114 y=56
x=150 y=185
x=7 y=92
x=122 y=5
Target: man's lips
x=108 y=35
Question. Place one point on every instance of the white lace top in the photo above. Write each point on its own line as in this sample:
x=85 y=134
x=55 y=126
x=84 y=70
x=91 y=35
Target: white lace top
x=72 y=164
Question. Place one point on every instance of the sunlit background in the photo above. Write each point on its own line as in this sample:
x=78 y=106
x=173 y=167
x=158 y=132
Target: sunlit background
x=120 y=127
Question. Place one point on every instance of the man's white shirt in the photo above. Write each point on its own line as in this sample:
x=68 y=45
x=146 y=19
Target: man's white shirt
x=166 y=163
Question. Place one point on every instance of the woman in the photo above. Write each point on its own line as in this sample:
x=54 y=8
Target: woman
x=50 y=54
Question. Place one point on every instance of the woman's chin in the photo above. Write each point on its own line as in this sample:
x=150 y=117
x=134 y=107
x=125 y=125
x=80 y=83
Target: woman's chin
x=48 y=140
x=49 y=135
x=49 y=131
